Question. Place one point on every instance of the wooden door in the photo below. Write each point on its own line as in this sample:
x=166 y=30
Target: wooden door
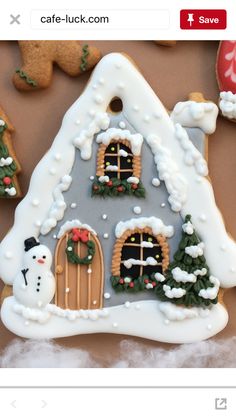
x=79 y=286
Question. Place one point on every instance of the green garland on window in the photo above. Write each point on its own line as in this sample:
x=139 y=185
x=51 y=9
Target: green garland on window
x=6 y=172
x=74 y=258
x=116 y=187
x=142 y=283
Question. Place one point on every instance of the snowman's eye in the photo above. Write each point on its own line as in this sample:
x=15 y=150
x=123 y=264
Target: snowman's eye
x=44 y=257
x=34 y=257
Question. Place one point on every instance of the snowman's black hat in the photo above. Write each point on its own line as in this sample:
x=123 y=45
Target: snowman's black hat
x=30 y=242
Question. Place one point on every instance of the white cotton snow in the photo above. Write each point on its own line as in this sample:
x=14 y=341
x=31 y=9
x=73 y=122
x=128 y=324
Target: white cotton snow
x=85 y=139
x=58 y=207
x=173 y=312
x=116 y=134
x=195 y=251
x=183 y=276
x=168 y=170
x=210 y=293
x=150 y=261
x=156 y=225
x=173 y=292
x=188 y=228
x=43 y=354
x=192 y=157
x=128 y=353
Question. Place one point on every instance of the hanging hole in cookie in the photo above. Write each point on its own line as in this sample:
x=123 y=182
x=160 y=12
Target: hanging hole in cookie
x=116 y=105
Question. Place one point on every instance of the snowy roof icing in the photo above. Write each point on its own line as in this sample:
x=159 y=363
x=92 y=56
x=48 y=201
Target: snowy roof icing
x=189 y=191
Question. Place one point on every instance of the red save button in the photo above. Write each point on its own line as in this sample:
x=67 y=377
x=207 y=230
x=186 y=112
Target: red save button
x=203 y=19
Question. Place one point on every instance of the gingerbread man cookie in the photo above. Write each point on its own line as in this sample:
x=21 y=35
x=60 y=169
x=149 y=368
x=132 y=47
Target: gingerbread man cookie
x=226 y=76
x=9 y=166
x=38 y=58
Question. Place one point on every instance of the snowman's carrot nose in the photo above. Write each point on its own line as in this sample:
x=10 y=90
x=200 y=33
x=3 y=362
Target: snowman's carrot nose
x=40 y=261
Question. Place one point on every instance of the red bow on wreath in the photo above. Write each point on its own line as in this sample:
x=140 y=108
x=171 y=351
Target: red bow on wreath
x=80 y=235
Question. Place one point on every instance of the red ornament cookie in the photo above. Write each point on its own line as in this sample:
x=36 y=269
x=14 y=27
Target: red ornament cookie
x=226 y=76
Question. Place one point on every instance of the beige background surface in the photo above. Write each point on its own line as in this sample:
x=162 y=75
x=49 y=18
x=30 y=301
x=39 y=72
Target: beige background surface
x=173 y=73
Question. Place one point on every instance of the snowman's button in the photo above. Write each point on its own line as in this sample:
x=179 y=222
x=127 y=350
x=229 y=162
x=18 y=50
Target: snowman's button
x=39 y=277
x=38 y=284
x=37 y=290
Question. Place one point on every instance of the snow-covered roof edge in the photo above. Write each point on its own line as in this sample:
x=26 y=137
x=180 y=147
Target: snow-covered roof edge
x=146 y=113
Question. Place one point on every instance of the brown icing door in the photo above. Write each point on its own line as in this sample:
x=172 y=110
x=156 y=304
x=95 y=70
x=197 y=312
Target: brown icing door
x=79 y=286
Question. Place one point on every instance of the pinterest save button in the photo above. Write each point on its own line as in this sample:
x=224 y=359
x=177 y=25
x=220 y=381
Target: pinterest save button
x=213 y=19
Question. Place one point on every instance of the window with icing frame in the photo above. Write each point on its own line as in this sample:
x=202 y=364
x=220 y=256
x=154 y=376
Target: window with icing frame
x=137 y=257
x=118 y=171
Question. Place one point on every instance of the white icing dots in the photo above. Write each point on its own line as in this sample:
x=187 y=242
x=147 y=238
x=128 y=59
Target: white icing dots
x=91 y=177
x=202 y=217
x=163 y=205
x=101 y=81
x=89 y=271
x=209 y=326
x=232 y=269
x=122 y=124
x=155 y=182
x=2 y=123
x=115 y=325
x=98 y=99
x=107 y=295
x=77 y=122
x=105 y=235
x=35 y=202
x=137 y=307
x=121 y=86
x=104 y=216
x=38 y=223
x=127 y=304
x=54 y=236
x=146 y=118
x=8 y=255
x=136 y=108
x=137 y=210
x=52 y=171
x=92 y=112
x=73 y=205
x=57 y=157
x=67 y=290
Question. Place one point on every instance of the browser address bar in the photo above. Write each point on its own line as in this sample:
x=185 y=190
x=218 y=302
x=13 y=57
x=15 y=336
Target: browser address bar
x=100 y=19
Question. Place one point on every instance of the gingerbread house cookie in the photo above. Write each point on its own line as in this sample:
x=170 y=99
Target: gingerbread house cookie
x=123 y=234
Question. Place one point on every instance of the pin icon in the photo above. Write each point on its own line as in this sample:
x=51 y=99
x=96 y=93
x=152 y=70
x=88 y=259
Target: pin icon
x=190 y=18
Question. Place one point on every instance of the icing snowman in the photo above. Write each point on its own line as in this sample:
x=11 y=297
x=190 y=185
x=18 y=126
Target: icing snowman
x=34 y=286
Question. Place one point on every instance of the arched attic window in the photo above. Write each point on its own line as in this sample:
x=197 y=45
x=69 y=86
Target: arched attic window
x=118 y=164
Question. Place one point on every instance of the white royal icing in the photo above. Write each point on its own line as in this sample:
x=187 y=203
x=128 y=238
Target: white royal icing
x=191 y=114
x=116 y=134
x=156 y=225
x=227 y=104
x=58 y=207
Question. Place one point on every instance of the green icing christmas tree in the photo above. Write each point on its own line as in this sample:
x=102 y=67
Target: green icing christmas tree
x=188 y=281
x=9 y=167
